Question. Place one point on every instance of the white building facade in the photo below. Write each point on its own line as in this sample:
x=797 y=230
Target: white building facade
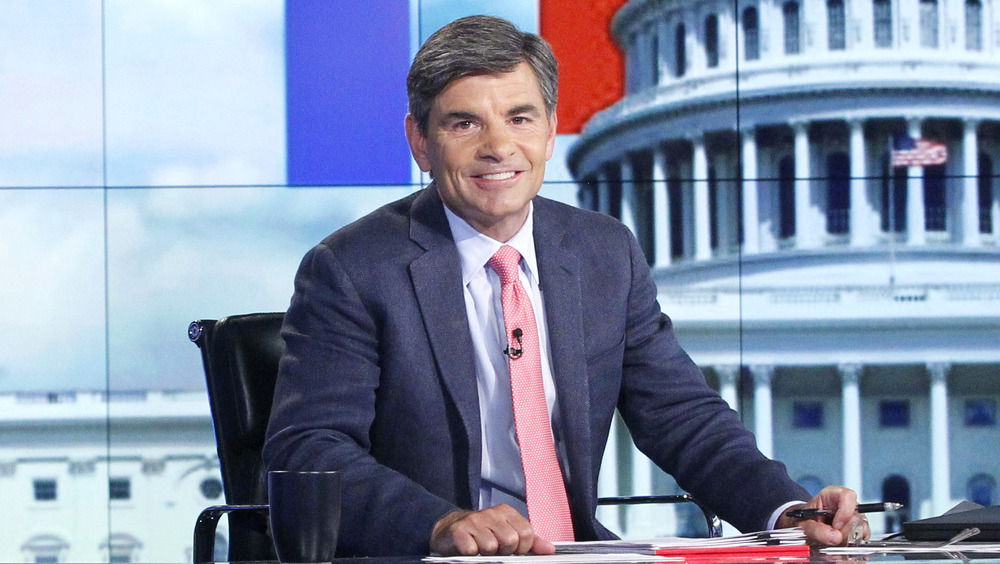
x=849 y=309
x=85 y=479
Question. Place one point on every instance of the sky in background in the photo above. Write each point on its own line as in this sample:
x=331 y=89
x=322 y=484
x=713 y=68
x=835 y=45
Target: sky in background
x=190 y=102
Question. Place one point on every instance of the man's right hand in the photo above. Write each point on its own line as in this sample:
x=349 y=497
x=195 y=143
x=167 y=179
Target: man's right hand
x=496 y=530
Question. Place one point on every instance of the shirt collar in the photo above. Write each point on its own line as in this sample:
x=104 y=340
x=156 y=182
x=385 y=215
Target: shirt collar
x=476 y=249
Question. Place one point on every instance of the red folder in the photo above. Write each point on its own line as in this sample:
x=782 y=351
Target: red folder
x=754 y=553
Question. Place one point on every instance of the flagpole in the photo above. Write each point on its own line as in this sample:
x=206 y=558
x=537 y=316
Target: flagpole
x=911 y=153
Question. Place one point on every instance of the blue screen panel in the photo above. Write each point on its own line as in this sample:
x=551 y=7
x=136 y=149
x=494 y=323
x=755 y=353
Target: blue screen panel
x=346 y=65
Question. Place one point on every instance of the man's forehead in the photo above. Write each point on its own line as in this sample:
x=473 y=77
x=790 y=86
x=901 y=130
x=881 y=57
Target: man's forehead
x=519 y=87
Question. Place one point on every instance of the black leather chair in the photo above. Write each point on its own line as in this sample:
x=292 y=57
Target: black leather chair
x=241 y=354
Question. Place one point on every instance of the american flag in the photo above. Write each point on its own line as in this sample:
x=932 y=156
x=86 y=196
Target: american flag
x=907 y=151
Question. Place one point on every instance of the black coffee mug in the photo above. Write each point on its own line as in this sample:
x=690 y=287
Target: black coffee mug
x=305 y=514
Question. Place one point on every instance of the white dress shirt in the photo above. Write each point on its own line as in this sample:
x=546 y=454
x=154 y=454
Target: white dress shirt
x=502 y=474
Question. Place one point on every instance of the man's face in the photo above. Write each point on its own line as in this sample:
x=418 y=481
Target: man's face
x=487 y=141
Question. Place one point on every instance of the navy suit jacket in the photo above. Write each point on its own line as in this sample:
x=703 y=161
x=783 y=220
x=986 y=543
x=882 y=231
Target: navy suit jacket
x=379 y=378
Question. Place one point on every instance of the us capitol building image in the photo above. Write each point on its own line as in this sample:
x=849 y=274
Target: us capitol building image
x=847 y=307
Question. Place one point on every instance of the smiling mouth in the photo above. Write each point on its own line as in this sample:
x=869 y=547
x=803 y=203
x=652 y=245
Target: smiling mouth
x=498 y=175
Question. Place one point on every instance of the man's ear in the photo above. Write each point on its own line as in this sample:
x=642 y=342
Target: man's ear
x=418 y=143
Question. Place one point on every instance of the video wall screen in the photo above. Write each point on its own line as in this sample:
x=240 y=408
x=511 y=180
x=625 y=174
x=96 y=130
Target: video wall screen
x=162 y=162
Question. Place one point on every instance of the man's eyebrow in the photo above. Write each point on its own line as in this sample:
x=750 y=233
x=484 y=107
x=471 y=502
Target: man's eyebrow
x=460 y=116
x=522 y=109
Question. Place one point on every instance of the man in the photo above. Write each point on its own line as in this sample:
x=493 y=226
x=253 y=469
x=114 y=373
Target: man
x=401 y=359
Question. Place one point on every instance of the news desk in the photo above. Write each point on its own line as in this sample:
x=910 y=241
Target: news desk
x=816 y=557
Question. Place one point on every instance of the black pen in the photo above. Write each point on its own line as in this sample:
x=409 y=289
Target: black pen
x=812 y=513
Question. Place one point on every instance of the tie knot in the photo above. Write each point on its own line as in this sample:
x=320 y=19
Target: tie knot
x=505 y=263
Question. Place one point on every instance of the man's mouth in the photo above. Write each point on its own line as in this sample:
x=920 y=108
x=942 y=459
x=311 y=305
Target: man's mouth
x=498 y=175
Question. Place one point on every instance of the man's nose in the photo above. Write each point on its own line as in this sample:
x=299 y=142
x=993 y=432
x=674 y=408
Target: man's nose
x=497 y=143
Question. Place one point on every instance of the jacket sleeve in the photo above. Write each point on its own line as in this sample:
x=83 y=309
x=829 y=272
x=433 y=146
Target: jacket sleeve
x=684 y=426
x=325 y=407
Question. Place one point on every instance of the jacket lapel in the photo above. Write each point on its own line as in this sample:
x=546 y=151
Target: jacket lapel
x=437 y=283
x=559 y=276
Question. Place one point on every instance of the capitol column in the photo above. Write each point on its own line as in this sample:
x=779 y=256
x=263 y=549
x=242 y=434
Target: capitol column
x=763 y=427
x=861 y=219
x=663 y=51
x=970 y=192
x=642 y=519
x=702 y=217
x=586 y=194
x=850 y=375
x=607 y=479
x=728 y=378
x=603 y=192
x=940 y=455
x=628 y=195
x=751 y=213
x=661 y=210
x=805 y=230
x=916 y=223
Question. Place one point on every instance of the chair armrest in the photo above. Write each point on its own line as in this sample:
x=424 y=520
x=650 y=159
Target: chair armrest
x=205 y=526
x=711 y=519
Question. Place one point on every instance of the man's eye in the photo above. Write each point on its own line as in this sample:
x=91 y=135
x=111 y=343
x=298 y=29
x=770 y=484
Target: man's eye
x=466 y=124
x=519 y=120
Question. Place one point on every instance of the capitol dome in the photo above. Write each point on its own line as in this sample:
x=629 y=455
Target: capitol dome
x=847 y=306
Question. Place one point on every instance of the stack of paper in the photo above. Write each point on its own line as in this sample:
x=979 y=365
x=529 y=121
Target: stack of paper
x=783 y=545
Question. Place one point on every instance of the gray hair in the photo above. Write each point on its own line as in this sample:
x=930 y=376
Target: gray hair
x=476 y=46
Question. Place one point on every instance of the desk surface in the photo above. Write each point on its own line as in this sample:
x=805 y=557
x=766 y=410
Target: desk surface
x=817 y=557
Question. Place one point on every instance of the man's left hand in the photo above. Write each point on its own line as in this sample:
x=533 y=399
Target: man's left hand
x=845 y=526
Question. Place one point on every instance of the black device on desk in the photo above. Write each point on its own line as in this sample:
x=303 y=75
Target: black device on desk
x=944 y=527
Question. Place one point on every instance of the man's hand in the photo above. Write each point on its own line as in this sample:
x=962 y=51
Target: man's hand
x=846 y=525
x=497 y=530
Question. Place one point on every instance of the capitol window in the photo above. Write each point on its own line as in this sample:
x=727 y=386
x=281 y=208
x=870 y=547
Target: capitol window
x=119 y=488
x=680 y=55
x=786 y=197
x=791 y=12
x=985 y=179
x=211 y=488
x=883 y=23
x=893 y=197
x=838 y=193
x=894 y=414
x=935 y=198
x=973 y=25
x=45 y=489
x=751 y=34
x=807 y=415
x=980 y=412
x=835 y=18
x=45 y=549
x=981 y=489
x=929 y=23
x=712 y=41
x=121 y=548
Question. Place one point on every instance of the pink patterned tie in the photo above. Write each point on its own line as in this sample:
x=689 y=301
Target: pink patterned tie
x=548 y=508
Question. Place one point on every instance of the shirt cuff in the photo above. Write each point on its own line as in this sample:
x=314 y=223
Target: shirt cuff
x=777 y=513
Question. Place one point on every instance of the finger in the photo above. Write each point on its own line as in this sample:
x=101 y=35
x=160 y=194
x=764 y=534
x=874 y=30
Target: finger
x=486 y=528
x=526 y=538
x=819 y=533
x=509 y=539
x=449 y=537
x=510 y=531
x=542 y=546
x=846 y=502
